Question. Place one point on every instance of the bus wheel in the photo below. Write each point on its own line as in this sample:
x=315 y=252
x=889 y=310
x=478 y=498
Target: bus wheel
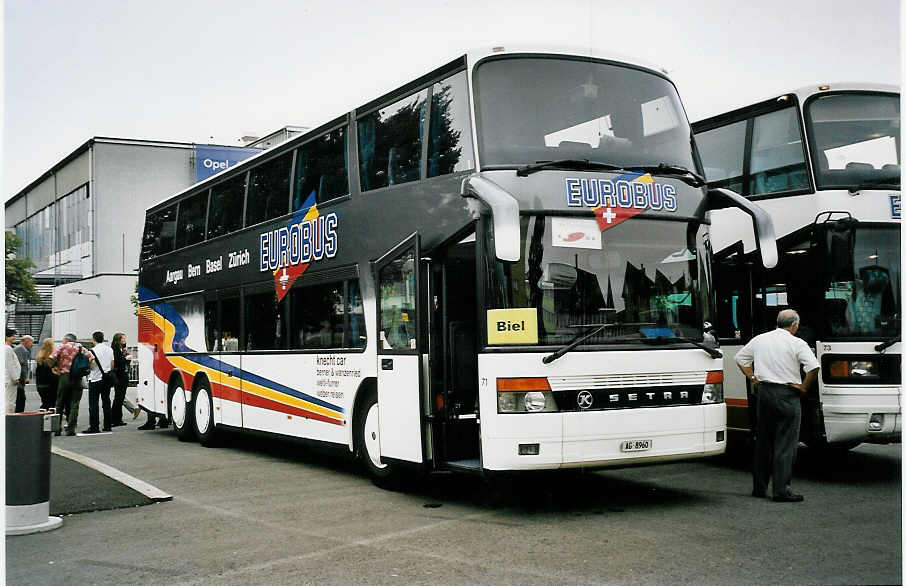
x=181 y=413
x=203 y=420
x=368 y=441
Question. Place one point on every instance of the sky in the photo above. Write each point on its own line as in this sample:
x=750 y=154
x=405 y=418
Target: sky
x=212 y=71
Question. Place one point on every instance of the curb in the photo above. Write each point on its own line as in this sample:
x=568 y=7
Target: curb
x=152 y=492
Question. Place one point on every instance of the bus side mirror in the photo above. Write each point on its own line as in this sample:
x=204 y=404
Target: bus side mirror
x=504 y=211
x=719 y=198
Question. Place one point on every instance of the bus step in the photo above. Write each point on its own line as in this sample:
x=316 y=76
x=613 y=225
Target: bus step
x=468 y=464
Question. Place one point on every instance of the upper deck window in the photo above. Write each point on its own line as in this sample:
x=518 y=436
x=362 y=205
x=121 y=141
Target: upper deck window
x=855 y=140
x=390 y=143
x=268 y=195
x=190 y=224
x=226 y=206
x=322 y=168
x=160 y=231
x=450 y=136
x=757 y=155
x=535 y=109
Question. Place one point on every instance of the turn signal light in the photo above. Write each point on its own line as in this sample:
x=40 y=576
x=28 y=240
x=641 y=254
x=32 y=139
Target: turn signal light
x=714 y=376
x=840 y=369
x=522 y=384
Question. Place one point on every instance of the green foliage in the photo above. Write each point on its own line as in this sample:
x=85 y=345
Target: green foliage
x=20 y=285
x=134 y=300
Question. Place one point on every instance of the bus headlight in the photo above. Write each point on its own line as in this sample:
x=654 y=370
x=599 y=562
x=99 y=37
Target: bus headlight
x=525 y=395
x=714 y=387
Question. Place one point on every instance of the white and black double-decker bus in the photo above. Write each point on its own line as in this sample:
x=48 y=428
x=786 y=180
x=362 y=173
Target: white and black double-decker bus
x=502 y=265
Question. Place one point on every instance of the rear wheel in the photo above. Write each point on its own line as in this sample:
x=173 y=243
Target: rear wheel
x=368 y=441
x=203 y=416
x=181 y=413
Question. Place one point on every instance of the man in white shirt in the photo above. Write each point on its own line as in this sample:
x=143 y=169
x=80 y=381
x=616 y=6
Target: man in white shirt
x=13 y=371
x=98 y=384
x=771 y=361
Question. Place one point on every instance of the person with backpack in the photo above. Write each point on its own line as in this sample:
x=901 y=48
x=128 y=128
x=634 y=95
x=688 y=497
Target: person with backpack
x=73 y=362
x=100 y=381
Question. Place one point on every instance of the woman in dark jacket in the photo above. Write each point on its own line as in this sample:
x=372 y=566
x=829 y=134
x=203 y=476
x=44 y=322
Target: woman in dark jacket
x=121 y=359
x=45 y=377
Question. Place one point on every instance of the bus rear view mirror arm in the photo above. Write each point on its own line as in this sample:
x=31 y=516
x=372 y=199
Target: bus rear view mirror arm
x=504 y=210
x=719 y=198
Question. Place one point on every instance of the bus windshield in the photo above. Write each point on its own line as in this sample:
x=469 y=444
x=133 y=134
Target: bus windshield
x=856 y=140
x=579 y=277
x=865 y=302
x=534 y=109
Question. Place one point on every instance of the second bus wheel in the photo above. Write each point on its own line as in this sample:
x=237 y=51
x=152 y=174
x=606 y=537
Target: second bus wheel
x=203 y=415
x=368 y=441
x=181 y=413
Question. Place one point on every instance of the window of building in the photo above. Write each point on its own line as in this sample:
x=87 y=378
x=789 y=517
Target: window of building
x=191 y=219
x=450 y=136
x=226 y=206
x=327 y=315
x=264 y=321
x=160 y=232
x=322 y=169
x=390 y=143
x=268 y=195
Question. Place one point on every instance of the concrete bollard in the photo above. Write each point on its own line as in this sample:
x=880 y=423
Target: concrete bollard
x=28 y=437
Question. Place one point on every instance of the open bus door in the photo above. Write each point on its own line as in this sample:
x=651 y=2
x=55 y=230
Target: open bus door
x=397 y=277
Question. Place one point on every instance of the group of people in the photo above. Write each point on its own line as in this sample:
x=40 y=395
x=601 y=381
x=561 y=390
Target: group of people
x=60 y=387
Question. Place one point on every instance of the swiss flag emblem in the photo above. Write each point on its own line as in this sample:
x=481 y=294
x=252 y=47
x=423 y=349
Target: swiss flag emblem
x=609 y=217
x=284 y=278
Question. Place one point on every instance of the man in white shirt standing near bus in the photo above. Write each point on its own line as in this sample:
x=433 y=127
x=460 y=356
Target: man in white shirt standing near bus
x=99 y=384
x=13 y=371
x=771 y=361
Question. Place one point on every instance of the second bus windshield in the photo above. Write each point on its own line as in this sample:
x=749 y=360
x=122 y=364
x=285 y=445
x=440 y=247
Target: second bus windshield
x=544 y=109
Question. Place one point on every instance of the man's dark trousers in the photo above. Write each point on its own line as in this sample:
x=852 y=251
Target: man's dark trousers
x=20 y=396
x=779 y=415
x=98 y=389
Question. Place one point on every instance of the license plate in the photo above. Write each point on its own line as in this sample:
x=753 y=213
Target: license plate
x=635 y=445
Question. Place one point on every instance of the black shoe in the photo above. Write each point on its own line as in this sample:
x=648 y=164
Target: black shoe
x=163 y=424
x=759 y=495
x=789 y=498
x=149 y=425
x=118 y=424
x=106 y=430
x=70 y=432
x=90 y=430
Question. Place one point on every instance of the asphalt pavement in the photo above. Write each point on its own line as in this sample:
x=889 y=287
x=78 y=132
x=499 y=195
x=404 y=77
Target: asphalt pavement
x=264 y=511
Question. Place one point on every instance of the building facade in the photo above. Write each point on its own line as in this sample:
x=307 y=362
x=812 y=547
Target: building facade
x=81 y=224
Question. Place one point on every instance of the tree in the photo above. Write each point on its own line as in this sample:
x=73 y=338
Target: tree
x=20 y=285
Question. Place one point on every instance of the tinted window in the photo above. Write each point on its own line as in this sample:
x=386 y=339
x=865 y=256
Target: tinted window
x=778 y=159
x=327 y=316
x=398 y=330
x=229 y=323
x=190 y=224
x=263 y=322
x=160 y=228
x=268 y=195
x=450 y=138
x=321 y=169
x=226 y=207
x=722 y=150
x=390 y=143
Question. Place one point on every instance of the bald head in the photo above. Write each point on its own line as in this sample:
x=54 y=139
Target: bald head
x=788 y=319
x=27 y=341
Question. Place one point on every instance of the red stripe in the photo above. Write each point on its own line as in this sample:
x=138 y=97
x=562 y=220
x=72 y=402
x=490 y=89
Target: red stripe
x=737 y=402
x=256 y=401
x=226 y=393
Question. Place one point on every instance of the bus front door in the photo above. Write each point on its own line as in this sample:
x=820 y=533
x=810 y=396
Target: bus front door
x=397 y=284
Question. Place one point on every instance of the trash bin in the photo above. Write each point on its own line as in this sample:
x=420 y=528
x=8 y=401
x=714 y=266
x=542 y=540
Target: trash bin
x=28 y=437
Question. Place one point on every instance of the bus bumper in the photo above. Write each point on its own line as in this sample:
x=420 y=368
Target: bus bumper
x=596 y=439
x=854 y=415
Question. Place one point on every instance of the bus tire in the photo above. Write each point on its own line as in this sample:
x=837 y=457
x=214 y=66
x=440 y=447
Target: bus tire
x=180 y=412
x=368 y=441
x=203 y=415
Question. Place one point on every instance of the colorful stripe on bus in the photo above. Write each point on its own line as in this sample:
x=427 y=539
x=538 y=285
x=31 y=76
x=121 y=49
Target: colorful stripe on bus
x=165 y=332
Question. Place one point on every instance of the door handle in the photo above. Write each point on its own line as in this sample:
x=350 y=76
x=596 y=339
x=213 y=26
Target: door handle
x=386 y=363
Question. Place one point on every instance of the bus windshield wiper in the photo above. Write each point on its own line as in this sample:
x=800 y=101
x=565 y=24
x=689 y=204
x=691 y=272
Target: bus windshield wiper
x=887 y=344
x=677 y=171
x=577 y=164
x=584 y=335
x=712 y=352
